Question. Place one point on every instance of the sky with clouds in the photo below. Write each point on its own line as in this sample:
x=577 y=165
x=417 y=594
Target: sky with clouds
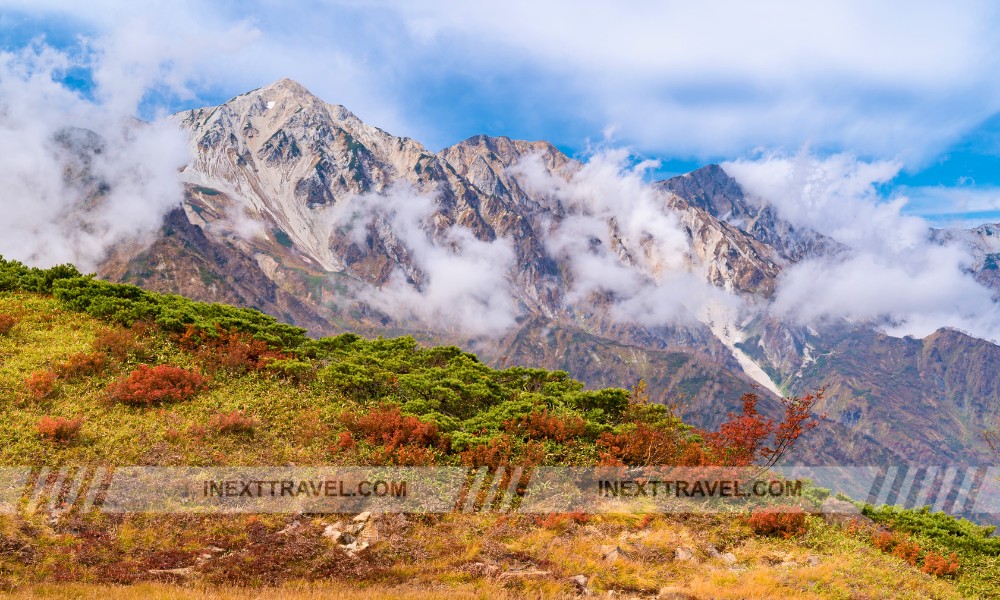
x=912 y=84
x=866 y=121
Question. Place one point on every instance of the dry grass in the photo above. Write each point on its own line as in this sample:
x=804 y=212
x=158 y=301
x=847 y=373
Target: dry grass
x=158 y=591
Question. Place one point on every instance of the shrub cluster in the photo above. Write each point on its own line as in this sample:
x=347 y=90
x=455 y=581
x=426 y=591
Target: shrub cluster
x=230 y=351
x=126 y=304
x=59 y=429
x=152 y=385
x=941 y=566
x=7 y=323
x=935 y=542
x=41 y=384
x=235 y=422
x=778 y=522
x=82 y=365
x=399 y=439
x=546 y=425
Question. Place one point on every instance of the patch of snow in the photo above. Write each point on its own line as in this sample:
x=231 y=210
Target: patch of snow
x=270 y=104
x=722 y=321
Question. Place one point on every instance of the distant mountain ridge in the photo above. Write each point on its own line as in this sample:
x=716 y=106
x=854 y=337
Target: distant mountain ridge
x=266 y=223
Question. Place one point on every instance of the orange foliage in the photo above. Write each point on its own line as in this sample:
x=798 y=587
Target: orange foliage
x=907 y=550
x=41 y=384
x=7 y=323
x=784 y=523
x=59 y=429
x=645 y=446
x=743 y=439
x=229 y=351
x=941 y=566
x=502 y=451
x=560 y=520
x=82 y=365
x=543 y=425
x=151 y=385
x=402 y=439
x=233 y=422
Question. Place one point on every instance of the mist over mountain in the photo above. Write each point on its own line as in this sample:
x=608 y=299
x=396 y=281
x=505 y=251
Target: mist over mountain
x=781 y=274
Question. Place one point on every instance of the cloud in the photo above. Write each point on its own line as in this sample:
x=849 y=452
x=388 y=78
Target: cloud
x=77 y=176
x=705 y=79
x=718 y=78
x=462 y=282
x=963 y=206
x=893 y=274
x=617 y=237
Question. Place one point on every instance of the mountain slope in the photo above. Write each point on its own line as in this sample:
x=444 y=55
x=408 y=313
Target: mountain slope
x=526 y=256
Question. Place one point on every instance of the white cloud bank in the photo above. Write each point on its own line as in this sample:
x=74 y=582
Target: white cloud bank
x=461 y=282
x=893 y=274
x=617 y=237
x=77 y=176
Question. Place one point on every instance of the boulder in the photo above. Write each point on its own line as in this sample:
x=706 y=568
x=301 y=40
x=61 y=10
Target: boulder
x=840 y=512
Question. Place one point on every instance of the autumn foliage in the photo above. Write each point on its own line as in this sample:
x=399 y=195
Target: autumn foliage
x=940 y=565
x=903 y=547
x=777 y=522
x=400 y=439
x=59 y=429
x=545 y=425
x=235 y=422
x=40 y=384
x=152 y=385
x=750 y=438
x=7 y=323
x=746 y=438
x=82 y=365
x=229 y=351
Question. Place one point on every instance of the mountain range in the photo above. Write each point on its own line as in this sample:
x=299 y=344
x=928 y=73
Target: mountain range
x=527 y=256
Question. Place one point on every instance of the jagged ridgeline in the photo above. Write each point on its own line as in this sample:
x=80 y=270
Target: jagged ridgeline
x=514 y=251
x=376 y=401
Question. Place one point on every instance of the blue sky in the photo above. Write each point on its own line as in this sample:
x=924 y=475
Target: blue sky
x=917 y=84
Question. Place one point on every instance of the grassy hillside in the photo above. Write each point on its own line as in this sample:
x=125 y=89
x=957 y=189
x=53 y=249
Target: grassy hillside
x=99 y=374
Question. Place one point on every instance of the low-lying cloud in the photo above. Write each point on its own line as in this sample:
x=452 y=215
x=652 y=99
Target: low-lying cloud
x=457 y=282
x=894 y=273
x=77 y=175
x=617 y=237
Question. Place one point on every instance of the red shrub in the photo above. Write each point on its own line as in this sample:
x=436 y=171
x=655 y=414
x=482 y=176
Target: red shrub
x=82 y=365
x=502 y=451
x=229 y=351
x=645 y=446
x=123 y=344
x=59 y=429
x=907 y=550
x=560 y=520
x=884 y=541
x=151 y=385
x=406 y=456
x=544 y=425
x=772 y=521
x=7 y=323
x=387 y=426
x=941 y=566
x=233 y=422
x=41 y=384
